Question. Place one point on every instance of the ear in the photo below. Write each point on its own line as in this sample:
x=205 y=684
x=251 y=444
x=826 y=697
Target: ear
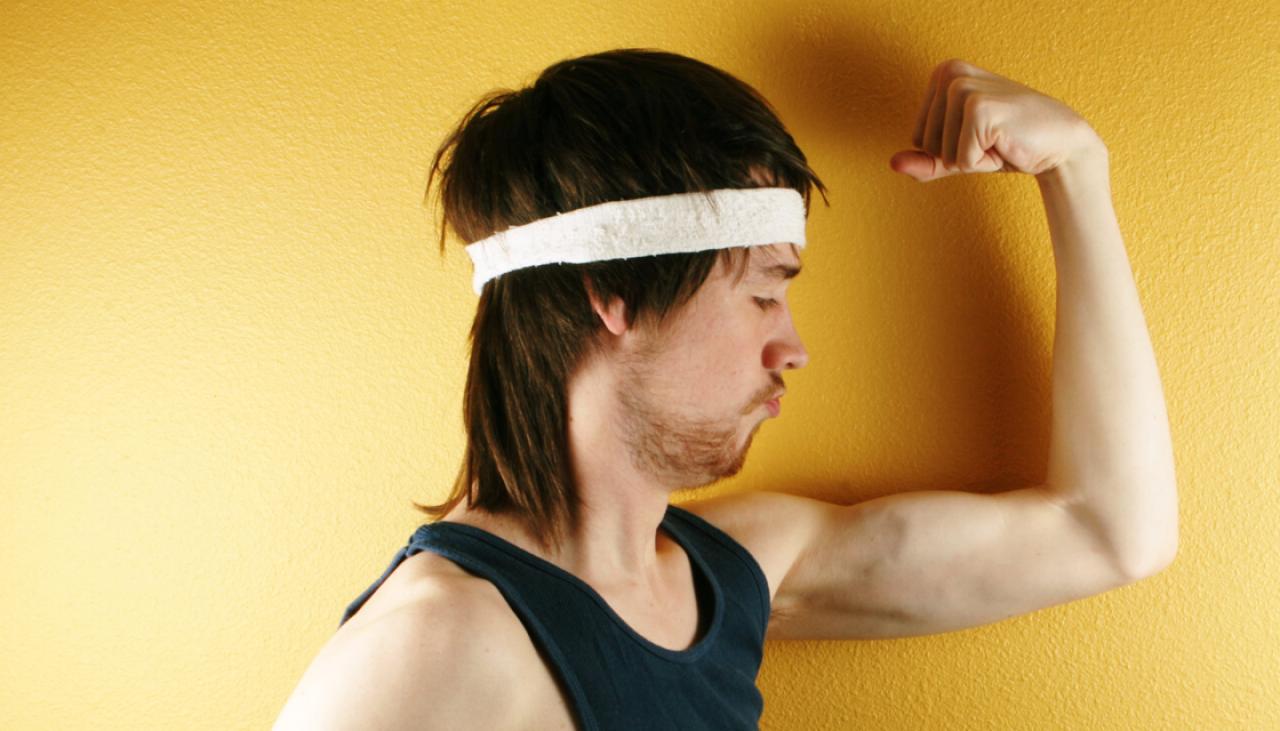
x=613 y=314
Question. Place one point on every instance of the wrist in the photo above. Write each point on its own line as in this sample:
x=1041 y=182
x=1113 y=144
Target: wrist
x=1088 y=164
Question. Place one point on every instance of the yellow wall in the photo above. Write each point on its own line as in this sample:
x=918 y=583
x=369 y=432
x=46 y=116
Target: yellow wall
x=230 y=355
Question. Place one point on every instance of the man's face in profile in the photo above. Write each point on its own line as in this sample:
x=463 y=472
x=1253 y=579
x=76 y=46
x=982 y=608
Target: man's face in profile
x=701 y=380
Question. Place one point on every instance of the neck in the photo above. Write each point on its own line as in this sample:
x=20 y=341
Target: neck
x=616 y=545
x=617 y=539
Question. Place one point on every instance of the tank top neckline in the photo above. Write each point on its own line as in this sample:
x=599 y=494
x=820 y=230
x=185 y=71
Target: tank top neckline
x=697 y=565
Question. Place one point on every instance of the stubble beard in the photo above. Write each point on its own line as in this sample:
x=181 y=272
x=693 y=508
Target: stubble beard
x=678 y=450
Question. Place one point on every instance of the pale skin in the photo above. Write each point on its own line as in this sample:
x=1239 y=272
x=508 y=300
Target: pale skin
x=436 y=647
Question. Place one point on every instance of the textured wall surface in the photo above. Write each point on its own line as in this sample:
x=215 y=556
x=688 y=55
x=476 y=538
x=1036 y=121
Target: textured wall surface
x=230 y=354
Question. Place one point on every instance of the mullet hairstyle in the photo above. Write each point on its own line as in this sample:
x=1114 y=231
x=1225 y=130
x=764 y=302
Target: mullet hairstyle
x=621 y=124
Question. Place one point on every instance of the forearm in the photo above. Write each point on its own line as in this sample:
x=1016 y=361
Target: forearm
x=1110 y=454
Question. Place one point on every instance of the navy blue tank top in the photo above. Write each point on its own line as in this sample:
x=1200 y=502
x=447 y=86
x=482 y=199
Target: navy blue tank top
x=615 y=678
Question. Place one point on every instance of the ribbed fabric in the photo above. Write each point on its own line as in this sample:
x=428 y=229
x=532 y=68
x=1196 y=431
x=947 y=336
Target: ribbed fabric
x=615 y=678
x=661 y=224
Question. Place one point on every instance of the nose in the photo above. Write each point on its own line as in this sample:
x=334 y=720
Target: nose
x=786 y=350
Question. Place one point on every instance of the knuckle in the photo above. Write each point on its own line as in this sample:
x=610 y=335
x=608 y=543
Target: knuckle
x=955 y=67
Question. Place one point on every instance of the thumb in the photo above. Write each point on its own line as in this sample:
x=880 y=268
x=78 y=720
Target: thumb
x=920 y=165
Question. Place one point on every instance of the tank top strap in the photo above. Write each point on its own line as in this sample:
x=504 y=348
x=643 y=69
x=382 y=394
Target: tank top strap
x=739 y=572
x=468 y=547
x=525 y=587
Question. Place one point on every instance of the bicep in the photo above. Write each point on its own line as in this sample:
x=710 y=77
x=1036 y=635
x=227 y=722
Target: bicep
x=935 y=561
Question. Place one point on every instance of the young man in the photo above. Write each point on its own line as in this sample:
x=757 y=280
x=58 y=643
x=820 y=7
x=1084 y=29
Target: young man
x=630 y=340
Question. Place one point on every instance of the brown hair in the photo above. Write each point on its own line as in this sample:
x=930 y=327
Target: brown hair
x=621 y=124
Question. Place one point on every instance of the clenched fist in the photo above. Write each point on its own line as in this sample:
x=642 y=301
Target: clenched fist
x=974 y=121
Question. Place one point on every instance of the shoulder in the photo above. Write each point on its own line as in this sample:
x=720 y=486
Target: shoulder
x=432 y=648
x=774 y=527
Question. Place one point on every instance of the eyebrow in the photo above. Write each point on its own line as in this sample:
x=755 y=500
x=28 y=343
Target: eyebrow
x=777 y=271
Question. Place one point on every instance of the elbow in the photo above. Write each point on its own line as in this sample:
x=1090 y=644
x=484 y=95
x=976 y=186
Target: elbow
x=1160 y=536
x=1152 y=564
x=1166 y=558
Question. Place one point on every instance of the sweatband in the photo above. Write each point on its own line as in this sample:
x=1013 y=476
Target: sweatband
x=665 y=224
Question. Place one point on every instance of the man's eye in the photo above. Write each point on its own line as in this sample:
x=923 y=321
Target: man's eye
x=765 y=303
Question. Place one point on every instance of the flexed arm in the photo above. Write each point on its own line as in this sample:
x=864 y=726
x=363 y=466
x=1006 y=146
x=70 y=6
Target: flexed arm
x=1111 y=455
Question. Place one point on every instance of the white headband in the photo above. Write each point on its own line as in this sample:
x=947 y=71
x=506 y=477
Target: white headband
x=665 y=224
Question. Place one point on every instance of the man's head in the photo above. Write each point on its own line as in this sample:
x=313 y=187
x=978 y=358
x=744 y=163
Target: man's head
x=623 y=124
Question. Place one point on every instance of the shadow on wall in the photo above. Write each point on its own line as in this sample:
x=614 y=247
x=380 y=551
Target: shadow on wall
x=851 y=92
